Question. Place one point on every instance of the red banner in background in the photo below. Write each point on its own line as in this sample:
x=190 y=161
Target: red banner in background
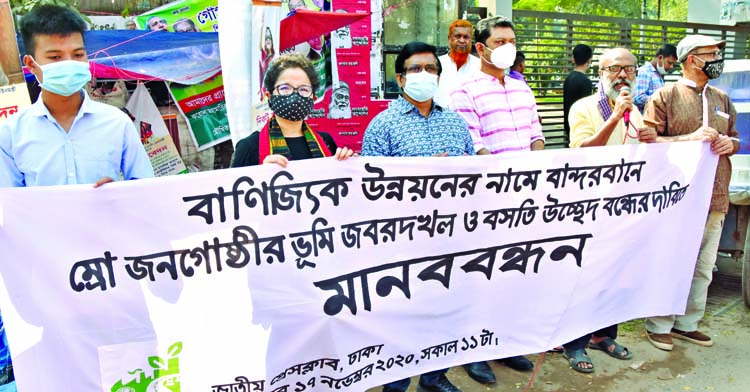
x=345 y=109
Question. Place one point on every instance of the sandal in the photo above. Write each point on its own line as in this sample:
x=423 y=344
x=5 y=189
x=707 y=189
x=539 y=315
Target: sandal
x=620 y=351
x=576 y=358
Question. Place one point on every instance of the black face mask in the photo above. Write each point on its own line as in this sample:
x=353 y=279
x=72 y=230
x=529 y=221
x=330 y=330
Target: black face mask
x=292 y=107
x=713 y=69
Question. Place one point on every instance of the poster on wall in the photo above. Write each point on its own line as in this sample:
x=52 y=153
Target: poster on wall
x=342 y=59
x=204 y=106
x=182 y=16
x=13 y=93
x=343 y=109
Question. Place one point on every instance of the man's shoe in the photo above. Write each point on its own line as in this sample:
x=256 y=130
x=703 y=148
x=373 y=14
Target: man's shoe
x=518 y=362
x=389 y=389
x=696 y=337
x=442 y=385
x=480 y=372
x=662 y=341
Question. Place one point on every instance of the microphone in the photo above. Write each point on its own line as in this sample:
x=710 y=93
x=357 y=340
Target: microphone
x=626 y=115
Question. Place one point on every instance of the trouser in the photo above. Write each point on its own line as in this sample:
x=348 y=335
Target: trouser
x=429 y=378
x=696 y=302
x=606 y=332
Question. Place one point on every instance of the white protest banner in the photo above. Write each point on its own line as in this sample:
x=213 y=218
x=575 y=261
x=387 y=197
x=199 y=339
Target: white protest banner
x=154 y=134
x=343 y=275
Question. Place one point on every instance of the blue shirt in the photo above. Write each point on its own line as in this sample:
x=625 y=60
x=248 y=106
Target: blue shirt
x=401 y=131
x=647 y=81
x=102 y=141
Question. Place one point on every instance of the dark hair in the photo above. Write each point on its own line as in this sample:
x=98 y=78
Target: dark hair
x=485 y=26
x=520 y=58
x=49 y=20
x=667 y=50
x=287 y=61
x=412 y=48
x=582 y=53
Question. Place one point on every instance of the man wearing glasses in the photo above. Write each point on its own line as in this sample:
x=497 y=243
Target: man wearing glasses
x=156 y=23
x=692 y=110
x=600 y=120
x=415 y=126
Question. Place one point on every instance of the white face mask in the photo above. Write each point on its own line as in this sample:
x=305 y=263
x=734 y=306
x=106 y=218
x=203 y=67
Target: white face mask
x=421 y=86
x=660 y=69
x=503 y=56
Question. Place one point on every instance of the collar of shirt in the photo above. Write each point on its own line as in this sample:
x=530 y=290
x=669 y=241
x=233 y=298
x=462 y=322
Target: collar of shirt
x=692 y=84
x=39 y=109
x=650 y=68
x=403 y=106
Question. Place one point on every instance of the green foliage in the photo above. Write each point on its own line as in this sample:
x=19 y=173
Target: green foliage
x=672 y=10
x=22 y=7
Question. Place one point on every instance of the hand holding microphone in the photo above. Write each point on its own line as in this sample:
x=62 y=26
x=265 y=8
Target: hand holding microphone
x=626 y=100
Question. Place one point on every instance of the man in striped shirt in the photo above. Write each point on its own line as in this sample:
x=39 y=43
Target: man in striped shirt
x=500 y=111
x=501 y=115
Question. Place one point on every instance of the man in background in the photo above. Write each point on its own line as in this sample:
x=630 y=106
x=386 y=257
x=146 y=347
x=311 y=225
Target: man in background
x=458 y=64
x=651 y=75
x=518 y=67
x=577 y=85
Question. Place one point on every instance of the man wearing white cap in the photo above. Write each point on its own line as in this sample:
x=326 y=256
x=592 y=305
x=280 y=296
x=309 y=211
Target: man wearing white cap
x=692 y=110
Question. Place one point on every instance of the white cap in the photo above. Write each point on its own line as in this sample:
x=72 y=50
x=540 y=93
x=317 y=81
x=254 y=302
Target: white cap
x=696 y=41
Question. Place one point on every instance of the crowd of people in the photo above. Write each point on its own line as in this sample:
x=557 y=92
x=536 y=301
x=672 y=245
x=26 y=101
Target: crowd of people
x=452 y=105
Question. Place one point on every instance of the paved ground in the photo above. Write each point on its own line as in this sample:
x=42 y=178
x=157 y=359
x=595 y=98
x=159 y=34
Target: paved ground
x=723 y=367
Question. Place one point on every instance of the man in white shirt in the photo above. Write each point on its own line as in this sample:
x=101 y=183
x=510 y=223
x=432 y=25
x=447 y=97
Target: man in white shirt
x=458 y=64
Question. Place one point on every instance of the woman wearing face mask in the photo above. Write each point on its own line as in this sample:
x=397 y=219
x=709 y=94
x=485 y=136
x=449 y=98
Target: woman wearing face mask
x=291 y=82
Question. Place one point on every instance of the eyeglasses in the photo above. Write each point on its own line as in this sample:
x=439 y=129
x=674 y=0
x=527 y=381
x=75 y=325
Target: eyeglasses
x=717 y=54
x=303 y=90
x=417 y=68
x=615 y=69
x=157 y=22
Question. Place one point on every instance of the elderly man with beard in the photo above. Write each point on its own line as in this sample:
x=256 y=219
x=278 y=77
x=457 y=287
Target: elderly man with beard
x=600 y=120
x=691 y=109
x=458 y=64
x=340 y=107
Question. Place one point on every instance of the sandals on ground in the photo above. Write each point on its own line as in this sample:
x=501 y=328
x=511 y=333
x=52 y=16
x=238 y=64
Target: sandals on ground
x=578 y=357
x=620 y=351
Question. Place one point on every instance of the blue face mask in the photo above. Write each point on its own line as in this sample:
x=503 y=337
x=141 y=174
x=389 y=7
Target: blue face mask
x=65 y=77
